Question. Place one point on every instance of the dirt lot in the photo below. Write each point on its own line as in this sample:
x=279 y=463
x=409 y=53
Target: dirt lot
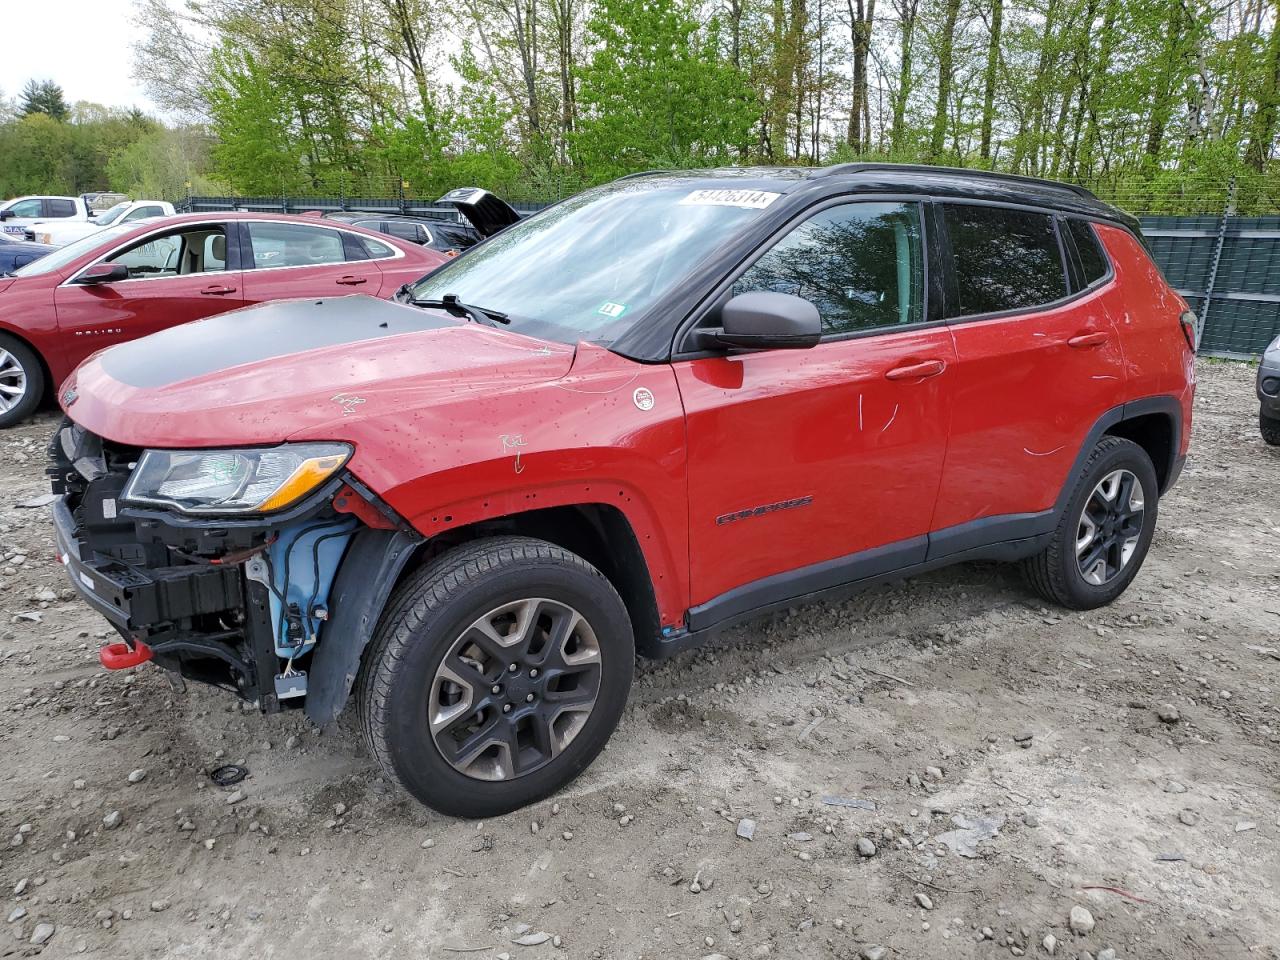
x=953 y=703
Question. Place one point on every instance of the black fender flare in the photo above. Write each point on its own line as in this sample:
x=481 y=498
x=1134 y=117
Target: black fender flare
x=369 y=572
x=1163 y=404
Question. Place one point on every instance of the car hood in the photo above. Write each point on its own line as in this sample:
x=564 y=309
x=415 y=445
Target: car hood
x=294 y=368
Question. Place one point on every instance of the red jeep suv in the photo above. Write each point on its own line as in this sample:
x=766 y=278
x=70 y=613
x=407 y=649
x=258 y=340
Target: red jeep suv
x=652 y=410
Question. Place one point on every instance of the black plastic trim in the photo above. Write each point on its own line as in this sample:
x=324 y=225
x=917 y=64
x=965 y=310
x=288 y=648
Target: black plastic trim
x=990 y=530
x=369 y=572
x=786 y=586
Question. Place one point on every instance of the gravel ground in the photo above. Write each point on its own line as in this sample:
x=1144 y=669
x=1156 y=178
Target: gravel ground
x=942 y=768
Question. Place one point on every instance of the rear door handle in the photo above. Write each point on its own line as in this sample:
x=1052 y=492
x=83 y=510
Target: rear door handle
x=1088 y=340
x=917 y=371
x=217 y=291
x=351 y=281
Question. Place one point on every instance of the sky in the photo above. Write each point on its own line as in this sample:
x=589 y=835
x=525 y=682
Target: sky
x=89 y=52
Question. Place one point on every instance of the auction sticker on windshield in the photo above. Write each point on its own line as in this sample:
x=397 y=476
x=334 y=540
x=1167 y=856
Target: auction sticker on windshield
x=752 y=199
x=611 y=309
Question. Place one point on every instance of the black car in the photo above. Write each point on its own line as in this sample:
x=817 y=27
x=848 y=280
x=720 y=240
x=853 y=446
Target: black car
x=486 y=213
x=16 y=253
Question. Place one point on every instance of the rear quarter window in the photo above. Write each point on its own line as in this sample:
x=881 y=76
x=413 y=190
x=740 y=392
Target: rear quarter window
x=60 y=208
x=1004 y=259
x=1093 y=261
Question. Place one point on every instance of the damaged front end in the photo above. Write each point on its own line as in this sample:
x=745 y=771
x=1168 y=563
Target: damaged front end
x=261 y=570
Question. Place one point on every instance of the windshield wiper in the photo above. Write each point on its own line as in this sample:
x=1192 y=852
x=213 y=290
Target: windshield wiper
x=452 y=304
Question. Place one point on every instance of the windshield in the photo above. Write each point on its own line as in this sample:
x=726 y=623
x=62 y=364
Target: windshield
x=112 y=214
x=586 y=268
x=57 y=259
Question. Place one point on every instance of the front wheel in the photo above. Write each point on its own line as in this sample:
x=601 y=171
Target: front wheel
x=21 y=381
x=497 y=673
x=1270 y=427
x=1104 y=533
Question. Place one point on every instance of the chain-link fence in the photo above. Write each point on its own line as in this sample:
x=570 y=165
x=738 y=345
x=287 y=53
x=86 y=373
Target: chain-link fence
x=1217 y=240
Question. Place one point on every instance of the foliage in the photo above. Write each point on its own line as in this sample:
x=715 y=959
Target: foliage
x=43 y=96
x=656 y=93
x=1153 y=102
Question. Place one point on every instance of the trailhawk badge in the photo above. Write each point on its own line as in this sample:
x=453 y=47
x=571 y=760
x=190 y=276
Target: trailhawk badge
x=643 y=398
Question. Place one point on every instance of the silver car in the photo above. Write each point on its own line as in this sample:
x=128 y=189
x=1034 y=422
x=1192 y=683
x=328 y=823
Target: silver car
x=1269 y=394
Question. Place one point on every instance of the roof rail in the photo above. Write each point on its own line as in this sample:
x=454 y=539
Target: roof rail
x=841 y=169
x=643 y=173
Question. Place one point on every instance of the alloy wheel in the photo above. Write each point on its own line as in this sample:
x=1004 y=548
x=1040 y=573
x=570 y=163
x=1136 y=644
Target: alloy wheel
x=1110 y=527
x=515 y=689
x=13 y=381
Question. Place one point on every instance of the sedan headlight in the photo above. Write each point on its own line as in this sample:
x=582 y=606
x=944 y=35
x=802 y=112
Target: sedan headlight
x=253 y=480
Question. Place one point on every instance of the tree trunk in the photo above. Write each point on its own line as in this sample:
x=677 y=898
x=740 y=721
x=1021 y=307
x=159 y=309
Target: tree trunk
x=861 y=23
x=1262 y=132
x=989 y=82
x=946 y=63
x=907 y=10
x=1097 y=87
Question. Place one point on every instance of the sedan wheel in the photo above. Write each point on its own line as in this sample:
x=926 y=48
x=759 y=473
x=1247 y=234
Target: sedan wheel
x=13 y=381
x=21 y=381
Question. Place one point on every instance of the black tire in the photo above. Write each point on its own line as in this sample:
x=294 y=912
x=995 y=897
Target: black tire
x=1056 y=572
x=19 y=364
x=425 y=620
x=1270 y=428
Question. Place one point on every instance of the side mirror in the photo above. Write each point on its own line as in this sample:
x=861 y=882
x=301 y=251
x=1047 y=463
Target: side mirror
x=103 y=273
x=763 y=320
x=6 y=213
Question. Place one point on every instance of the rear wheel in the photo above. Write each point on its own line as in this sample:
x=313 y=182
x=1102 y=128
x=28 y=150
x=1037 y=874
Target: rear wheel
x=497 y=674
x=21 y=381
x=1270 y=427
x=1105 y=532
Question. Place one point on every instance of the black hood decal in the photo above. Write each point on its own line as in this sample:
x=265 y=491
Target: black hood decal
x=259 y=333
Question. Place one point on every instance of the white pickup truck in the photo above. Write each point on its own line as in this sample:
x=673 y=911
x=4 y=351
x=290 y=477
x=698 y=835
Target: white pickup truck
x=58 y=233
x=19 y=215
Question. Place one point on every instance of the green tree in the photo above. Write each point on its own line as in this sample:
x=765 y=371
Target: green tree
x=656 y=92
x=43 y=96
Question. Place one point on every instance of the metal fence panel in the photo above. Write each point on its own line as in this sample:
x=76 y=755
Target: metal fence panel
x=1228 y=269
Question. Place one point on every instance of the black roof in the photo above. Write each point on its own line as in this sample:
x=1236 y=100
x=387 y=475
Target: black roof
x=912 y=178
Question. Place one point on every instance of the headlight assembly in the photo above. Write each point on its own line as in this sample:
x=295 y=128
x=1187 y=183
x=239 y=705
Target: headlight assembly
x=246 y=481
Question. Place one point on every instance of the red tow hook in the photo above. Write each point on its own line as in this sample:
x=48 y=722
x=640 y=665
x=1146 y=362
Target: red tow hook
x=121 y=656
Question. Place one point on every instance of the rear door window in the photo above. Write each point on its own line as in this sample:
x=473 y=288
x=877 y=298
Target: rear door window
x=294 y=245
x=55 y=207
x=405 y=230
x=1004 y=259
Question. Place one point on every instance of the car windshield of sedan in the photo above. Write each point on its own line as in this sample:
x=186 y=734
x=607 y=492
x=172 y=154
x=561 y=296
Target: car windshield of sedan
x=57 y=259
x=586 y=268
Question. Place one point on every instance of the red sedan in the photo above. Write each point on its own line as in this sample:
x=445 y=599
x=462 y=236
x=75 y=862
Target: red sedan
x=128 y=281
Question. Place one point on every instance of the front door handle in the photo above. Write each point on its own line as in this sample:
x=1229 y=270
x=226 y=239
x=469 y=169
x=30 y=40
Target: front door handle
x=917 y=371
x=351 y=281
x=218 y=291
x=1085 y=340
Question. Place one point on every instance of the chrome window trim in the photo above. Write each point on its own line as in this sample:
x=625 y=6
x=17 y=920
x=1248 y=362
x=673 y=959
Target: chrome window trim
x=165 y=228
